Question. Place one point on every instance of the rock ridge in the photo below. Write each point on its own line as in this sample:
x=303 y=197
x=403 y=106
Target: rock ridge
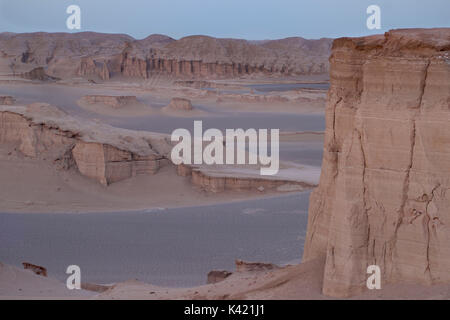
x=103 y=56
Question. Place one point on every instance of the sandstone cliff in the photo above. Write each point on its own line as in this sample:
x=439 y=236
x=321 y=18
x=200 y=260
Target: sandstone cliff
x=383 y=197
x=102 y=56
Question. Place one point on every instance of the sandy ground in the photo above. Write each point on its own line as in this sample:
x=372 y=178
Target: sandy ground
x=29 y=185
x=295 y=282
x=16 y=283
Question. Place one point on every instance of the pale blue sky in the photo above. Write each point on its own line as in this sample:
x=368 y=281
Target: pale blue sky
x=249 y=19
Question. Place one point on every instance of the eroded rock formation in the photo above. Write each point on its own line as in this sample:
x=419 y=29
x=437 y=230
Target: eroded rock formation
x=38 y=74
x=98 y=151
x=383 y=197
x=180 y=104
x=224 y=180
x=91 y=68
x=105 y=56
x=215 y=276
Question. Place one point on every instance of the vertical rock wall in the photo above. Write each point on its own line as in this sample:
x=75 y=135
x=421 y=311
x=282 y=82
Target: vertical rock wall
x=384 y=193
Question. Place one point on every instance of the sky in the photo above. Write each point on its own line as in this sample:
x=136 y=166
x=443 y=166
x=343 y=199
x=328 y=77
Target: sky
x=248 y=19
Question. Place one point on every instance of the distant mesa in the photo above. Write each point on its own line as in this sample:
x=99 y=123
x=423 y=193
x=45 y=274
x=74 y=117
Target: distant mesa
x=102 y=57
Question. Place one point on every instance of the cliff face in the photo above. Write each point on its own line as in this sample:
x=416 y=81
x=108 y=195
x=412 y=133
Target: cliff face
x=103 y=56
x=384 y=196
x=98 y=151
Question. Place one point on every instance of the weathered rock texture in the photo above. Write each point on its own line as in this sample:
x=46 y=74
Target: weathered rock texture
x=99 y=151
x=180 y=104
x=105 y=56
x=384 y=197
x=220 y=181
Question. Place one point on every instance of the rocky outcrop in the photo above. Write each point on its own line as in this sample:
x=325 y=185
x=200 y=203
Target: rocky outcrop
x=38 y=74
x=93 y=69
x=223 y=180
x=215 y=276
x=112 y=101
x=105 y=56
x=244 y=266
x=99 y=288
x=107 y=164
x=383 y=196
x=40 y=271
x=98 y=151
x=180 y=104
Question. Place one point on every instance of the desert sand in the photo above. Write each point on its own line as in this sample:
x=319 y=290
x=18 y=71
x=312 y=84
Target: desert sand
x=294 y=282
x=35 y=186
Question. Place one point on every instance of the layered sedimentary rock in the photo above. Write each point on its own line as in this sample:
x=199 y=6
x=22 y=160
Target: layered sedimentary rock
x=98 y=151
x=108 y=164
x=180 y=104
x=91 y=68
x=105 y=56
x=223 y=180
x=245 y=266
x=383 y=197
